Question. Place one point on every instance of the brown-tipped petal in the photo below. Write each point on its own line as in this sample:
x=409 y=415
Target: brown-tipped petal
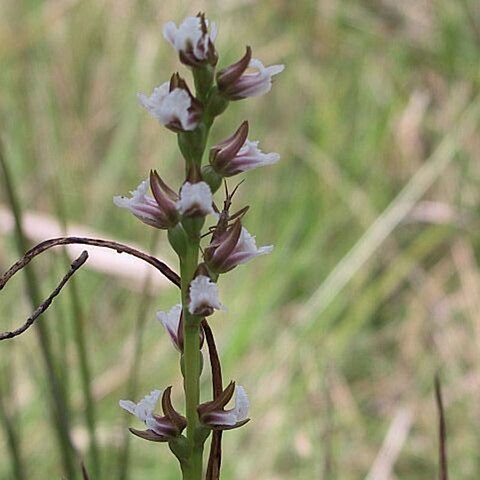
x=149 y=435
x=201 y=270
x=203 y=23
x=226 y=247
x=159 y=187
x=225 y=151
x=176 y=81
x=225 y=143
x=178 y=420
x=231 y=74
x=220 y=402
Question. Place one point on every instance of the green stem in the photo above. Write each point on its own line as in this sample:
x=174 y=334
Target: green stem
x=191 y=357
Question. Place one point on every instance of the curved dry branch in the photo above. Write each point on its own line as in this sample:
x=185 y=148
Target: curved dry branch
x=76 y=265
x=95 y=242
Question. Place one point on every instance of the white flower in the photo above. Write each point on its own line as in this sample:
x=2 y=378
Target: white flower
x=239 y=413
x=253 y=84
x=236 y=81
x=234 y=247
x=203 y=297
x=237 y=154
x=146 y=208
x=246 y=249
x=192 y=40
x=195 y=199
x=214 y=415
x=173 y=109
x=160 y=428
x=143 y=409
x=171 y=321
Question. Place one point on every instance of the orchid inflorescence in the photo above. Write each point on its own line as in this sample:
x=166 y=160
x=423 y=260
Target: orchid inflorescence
x=183 y=213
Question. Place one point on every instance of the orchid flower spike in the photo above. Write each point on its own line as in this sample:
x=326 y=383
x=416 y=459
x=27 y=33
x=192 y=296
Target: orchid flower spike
x=173 y=105
x=236 y=154
x=213 y=414
x=236 y=82
x=158 y=211
x=173 y=323
x=192 y=40
x=203 y=297
x=159 y=429
x=232 y=248
x=195 y=200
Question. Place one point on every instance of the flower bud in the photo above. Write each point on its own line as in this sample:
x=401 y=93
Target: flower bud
x=231 y=248
x=159 y=428
x=173 y=105
x=203 y=294
x=159 y=212
x=192 y=40
x=195 y=200
x=235 y=82
x=214 y=416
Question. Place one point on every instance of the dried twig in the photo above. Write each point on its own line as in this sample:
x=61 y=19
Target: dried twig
x=76 y=265
x=443 y=474
x=96 y=242
x=215 y=457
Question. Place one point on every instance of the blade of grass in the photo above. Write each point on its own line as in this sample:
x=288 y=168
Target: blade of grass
x=383 y=226
x=58 y=397
x=12 y=437
x=442 y=432
x=80 y=345
x=145 y=300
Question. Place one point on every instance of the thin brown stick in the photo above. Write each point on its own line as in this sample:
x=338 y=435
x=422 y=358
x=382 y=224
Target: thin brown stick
x=442 y=429
x=96 y=242
x=85 y=475
x=42 y=308
x=215 y=457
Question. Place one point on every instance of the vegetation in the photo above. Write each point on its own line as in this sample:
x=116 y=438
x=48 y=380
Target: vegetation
x=374 y=283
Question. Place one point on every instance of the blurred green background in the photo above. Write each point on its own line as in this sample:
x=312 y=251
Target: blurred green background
x=374 y=282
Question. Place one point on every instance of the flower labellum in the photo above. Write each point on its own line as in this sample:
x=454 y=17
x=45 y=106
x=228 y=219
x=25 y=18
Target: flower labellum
x=159 y=429
x=213 y=414
x=236 y=154
x=158 y=211
x=236 y=82
x=173 y=105
x=195 y=200
x=203 y=297
x=192 y=41
x=232 y=248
